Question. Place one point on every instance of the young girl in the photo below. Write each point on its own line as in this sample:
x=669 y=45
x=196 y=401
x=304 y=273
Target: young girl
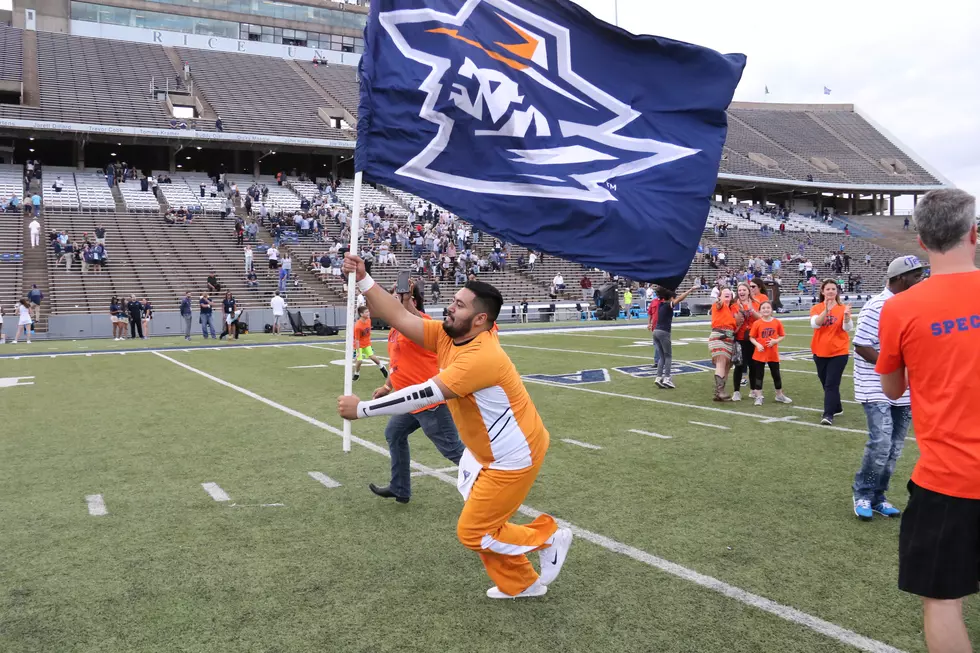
x=114 y=309
x=721 y=342
x=765 y=335
x=24 y=321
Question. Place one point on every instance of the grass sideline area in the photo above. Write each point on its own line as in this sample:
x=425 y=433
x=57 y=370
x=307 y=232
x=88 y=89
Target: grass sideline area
x=755 y=497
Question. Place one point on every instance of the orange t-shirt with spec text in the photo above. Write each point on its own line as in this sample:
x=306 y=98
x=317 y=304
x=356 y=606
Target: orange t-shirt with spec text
x=747 y=318
x=410 y=364
x=762 y=332
x=830 y=339
x=493 y=412
x=722 y=318
x=933 y=330
x=362 y=332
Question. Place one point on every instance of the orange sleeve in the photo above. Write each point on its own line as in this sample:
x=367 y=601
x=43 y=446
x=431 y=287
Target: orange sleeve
x=472 y=370
x=433 y=334
x=780 y=329
x=890 y=357
x=756 y=331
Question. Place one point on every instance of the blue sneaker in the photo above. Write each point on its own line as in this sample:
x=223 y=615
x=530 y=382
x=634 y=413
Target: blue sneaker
x=862 y=508
x=886 y=509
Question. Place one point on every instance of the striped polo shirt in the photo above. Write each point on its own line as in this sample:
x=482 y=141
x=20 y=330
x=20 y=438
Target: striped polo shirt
x=867 y=382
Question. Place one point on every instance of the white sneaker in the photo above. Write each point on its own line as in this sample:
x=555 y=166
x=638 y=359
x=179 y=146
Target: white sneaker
x=13 y=342
x=758 y=400
x=534 y=590
x=28 y=342
x=783 y=399
x=736 y=396
x=554 y=556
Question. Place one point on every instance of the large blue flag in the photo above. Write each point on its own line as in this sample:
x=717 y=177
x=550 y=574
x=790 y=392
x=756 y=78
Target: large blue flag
x=546 y=127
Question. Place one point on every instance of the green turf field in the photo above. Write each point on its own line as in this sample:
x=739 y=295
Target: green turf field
x=759 y=510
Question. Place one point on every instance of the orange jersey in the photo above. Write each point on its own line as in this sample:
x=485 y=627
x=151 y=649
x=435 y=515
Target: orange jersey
x=933 y=330
x=722 y=318
x=830 y=339
x=758 y=299
x=762 y=332
x=493 y=412
x=362 y=333
x=747 y=318
x=410 y=364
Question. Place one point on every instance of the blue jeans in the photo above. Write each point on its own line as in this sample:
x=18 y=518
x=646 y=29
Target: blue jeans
x=206 y=323
x=887 y=427
x=437 y=424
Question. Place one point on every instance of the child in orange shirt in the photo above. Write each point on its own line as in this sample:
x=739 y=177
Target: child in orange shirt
x=766 y=334
x=362 y=342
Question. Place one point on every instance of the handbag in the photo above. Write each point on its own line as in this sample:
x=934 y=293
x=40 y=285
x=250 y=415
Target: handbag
x=737 y=354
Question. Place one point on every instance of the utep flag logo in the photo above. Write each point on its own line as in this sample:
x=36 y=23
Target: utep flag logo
x=546 y=127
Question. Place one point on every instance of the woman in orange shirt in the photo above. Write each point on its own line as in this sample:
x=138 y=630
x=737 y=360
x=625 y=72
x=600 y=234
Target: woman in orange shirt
x=831 y=322
x=746 y=306
x=721 y=342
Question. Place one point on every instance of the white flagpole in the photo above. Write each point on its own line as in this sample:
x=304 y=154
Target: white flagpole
x=355 y=228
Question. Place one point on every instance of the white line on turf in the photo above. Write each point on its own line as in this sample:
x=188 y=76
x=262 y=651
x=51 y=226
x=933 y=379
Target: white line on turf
x=578 y=351
x=712 y=426
x=257 y=505
x=96 y=505
x=652 y=435
x=785 y=612
x=216 y=492
x=441 y=471
x=584 y=445
x=307 y=367
x=323 y=479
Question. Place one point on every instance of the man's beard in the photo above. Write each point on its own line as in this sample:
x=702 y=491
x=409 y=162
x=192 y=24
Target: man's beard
x=457 y=329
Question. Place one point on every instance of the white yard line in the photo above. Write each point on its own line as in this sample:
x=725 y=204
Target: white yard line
x=323 y=479
x=652 y=435
x=96 y=505
x=785 y=612
x=712 y=426
x=584 y=445
x=444 y=470
x=215 y=491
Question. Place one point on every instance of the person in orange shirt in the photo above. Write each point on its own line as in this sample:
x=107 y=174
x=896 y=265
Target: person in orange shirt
x=745 y=305
x=411 y=365
x=721 y=343
x=505 y=439
x=362 y=335
x=930 y=342
x=831 y=321
x=765 y=335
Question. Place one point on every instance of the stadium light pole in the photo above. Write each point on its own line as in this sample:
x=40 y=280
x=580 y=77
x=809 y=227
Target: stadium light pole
x=355 y=227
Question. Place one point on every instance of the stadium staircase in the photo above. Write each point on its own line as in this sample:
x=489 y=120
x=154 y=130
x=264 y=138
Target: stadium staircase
x=120 y=202
x=206 y=111
x=36 y=270
x=333 y=106
x=31 y=81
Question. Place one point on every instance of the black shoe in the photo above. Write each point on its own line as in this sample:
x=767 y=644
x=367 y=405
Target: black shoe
x=827 y=420
x=386 y=493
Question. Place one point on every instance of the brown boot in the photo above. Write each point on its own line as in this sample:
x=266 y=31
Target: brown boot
x=720 y=389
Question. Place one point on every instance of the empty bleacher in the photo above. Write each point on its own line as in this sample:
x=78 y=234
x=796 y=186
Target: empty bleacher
x=12 y=234
x=94 y=193
x=12 y=47
x=67 y=198
x=137 y=200
x=340 y=82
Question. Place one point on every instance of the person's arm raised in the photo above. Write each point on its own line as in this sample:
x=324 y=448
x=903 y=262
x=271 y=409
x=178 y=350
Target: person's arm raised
x=382 y=304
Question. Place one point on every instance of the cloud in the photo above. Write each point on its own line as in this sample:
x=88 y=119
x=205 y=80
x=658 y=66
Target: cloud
x=914 y=71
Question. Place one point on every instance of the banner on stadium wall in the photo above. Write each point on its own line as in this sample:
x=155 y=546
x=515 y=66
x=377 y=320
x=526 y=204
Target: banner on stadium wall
x=206 y=42
x=172 y=134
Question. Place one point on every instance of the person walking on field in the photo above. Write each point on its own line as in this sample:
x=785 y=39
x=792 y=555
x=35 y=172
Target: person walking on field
x=24 y=321
x=411 y=365
x=888 y=421
x=765 y=335
x=725 y=320
x=505 y=439
x=663 y=351
x=930 y=343
x=831 y=321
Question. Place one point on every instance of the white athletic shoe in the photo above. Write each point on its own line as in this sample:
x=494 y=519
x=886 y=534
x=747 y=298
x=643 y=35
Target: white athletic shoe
x=534 y=590
x=13 y=342
x=736 y=396
x=554 y=556
x=28 y=342
x=783 y=399
x=758 y=400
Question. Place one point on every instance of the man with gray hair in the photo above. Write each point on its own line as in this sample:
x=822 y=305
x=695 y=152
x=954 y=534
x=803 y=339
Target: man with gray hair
x=930 y=343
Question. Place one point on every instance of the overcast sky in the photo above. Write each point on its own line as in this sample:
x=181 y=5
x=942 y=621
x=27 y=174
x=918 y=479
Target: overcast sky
x=914 y=68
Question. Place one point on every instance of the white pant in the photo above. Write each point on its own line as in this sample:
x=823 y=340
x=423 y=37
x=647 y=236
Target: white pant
x=35 y=236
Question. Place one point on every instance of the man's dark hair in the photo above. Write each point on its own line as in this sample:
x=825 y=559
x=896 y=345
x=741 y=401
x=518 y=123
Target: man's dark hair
x=488 y=299
x=361 y=309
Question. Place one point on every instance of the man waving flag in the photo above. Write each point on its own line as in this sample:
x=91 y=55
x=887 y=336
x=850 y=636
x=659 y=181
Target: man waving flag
x=546 y=127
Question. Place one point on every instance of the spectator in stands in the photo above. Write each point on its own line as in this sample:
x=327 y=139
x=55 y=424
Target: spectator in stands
x=905 y=223
x=181 y=215
x=35 y=229
x=135 y=310
x=207 y=309
x=248 y=258
x=239 y=232
x=58 y=185
x=585 y=283
x=213 y=284
x=251 y=280
x=100 y=235
x=219 y=125
x=13 y=202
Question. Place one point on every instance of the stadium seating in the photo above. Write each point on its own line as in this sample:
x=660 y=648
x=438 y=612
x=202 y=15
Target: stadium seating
x=135 y=199
x=11 y=239
x=12 y=47
x=340 y=82
x=67 y=199
x=94 y=193
x=280 y=198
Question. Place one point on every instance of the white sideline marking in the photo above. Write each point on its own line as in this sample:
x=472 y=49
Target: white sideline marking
x=652 y=435
x=579 y=351
x=15 y=381
x=96 y=505
x=764 y=419
x=712 y=426
x=258 y=505
x=443 y=470
x=216 y=492
x=325 y=480
x=785 y=612
x=307 y=367
x=585 y=445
